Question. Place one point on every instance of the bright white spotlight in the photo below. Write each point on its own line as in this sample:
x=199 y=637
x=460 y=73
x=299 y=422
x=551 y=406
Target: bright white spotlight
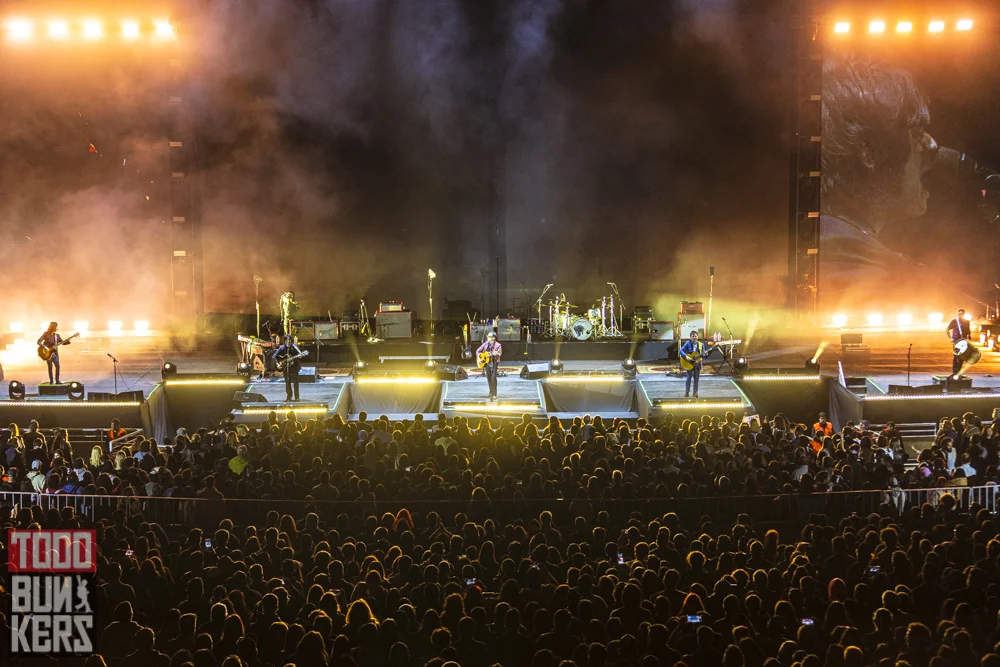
x=164 y=30
x=81 y=326
x=967 y=317
x=964 y=24
x=58 y=29
x=842 y=27
x=935 y=318
x=141 y=326
x=16 y=327
x=875 y=319
x=876 y=27
x=92 y=29
x=904 y=26
x=904 y=319
x=840 y=320
x=935 y=26
x=20 y=30
x=115 y=327
x=130 y=30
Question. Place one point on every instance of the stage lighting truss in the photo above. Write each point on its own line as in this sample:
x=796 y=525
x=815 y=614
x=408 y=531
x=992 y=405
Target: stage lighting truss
x=204 y=382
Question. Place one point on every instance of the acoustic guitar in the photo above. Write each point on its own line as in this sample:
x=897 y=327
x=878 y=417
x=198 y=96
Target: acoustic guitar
x=688 y=362
x=483 y=359
x=46 y=352
x=284 y=363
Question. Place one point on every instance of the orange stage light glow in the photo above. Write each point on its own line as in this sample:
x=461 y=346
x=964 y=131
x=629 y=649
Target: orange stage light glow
x=130 y=30
x=58 y=29
x=876 y=27
x=904 y=26
x=164 y=30
x=964 y=24
x=20 y=30
x=92 y=29
x=841 y=27
x=935 y=26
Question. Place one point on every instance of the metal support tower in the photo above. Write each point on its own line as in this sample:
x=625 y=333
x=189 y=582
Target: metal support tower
x=804 y=160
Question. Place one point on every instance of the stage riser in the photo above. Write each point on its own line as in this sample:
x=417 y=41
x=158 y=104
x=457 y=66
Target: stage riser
x=87 y=415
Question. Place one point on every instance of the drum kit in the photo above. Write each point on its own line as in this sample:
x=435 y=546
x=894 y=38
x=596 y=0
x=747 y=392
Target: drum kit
x=566 y=321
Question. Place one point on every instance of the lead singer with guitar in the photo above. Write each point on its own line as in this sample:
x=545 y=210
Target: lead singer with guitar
x=50 y=341
x=691 y=353
x=489 y=360
x=286 y=357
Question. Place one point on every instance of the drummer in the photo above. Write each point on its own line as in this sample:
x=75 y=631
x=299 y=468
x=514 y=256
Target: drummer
x=958 y=329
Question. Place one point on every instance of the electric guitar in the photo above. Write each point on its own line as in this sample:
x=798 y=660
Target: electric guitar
x=46 y=352
x=287 y=361
x=688 y=362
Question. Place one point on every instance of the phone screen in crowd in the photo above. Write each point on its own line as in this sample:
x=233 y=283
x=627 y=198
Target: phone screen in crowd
x=621 y=559
x=874 y=568
x=129 y=553
x=694 y=618
x=208 y=543
x=807 y=621
x=470 y=582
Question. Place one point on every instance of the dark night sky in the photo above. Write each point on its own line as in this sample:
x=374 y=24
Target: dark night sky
x=346 y=147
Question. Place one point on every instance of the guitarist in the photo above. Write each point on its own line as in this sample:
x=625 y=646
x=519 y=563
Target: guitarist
x=52 y=340
x=291 y=371
x=692 y=351
x=493 y=348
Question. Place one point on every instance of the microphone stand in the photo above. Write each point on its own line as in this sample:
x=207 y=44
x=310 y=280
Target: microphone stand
x=115 y=363
x=732 y=348
x=908 y=351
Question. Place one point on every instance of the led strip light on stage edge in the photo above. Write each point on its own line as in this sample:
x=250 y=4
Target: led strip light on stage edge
x=780 y=378
x=313 y=410
x=498 y=407
x=929 y=397
x=206 y=382
x=70 y=404
x=704 y=405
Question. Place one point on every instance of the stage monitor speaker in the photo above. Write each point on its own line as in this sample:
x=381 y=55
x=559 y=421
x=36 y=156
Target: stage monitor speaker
x=394 y=324
x=951 y=384
x=308 y=374
x=901 y=389
x=100 y=396
x=450 y=372
x=249 y=397
x=929 y=389
x=136 y=395
x=535 y=371
x=49 y=389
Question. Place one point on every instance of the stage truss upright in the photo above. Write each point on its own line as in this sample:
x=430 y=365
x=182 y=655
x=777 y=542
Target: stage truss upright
x=805 y=163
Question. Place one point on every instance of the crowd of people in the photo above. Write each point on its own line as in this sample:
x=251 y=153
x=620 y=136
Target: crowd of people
x=917 y=587
x=459 y=459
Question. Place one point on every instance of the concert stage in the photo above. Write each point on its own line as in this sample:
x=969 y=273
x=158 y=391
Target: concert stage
x=775 y=382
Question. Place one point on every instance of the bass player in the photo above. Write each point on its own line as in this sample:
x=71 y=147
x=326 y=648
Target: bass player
x=51 y=340
x=493 y=349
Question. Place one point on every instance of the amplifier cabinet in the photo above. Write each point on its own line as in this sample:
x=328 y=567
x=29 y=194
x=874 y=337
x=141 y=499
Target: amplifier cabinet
x=394 y=324
x=328 y=330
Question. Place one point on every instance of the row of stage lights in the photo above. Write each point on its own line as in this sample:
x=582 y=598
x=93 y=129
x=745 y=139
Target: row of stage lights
x=879 y=26
x=841 y=320
x=114 y=327
x=24 y=30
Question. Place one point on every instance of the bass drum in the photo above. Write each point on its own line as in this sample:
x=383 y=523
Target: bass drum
x=581 y=329
x=967 y=352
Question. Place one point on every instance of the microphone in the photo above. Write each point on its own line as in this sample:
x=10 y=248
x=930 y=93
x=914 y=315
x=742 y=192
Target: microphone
x=962 y=164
